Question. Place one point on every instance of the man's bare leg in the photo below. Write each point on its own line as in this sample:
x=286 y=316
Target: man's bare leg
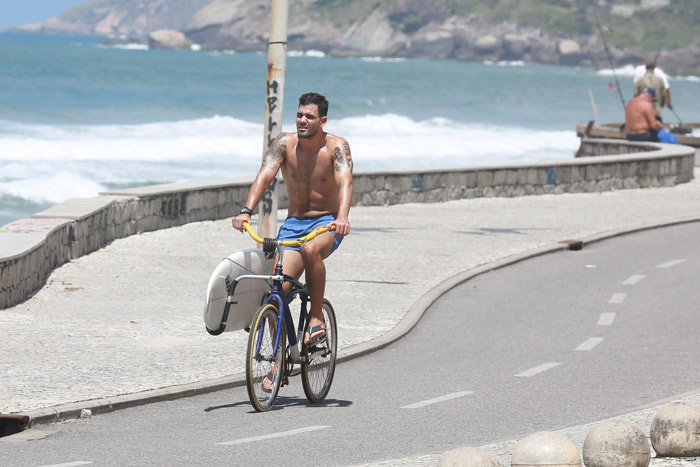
x=313 y=254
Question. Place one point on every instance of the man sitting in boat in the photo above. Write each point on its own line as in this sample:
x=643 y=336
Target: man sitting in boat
x=640 y=120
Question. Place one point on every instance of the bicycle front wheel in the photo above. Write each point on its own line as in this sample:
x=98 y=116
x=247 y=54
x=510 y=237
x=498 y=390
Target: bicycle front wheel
x=318 y=365
x=264 y=366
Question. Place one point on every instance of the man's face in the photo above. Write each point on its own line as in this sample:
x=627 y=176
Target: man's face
x=308 y=121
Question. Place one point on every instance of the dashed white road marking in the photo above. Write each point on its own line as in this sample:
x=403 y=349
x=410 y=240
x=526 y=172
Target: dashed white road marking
x=590 y=343
x=633 y=279
x=281 y=434
x=617 y=298
x=538 y=369
x=447 y=397
x=670 y=264
x=606 y=319
x=69 y=464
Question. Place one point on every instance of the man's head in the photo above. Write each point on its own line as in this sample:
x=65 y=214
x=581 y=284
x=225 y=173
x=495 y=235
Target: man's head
x=315 y=98
x=650 y=91
x=651 y=64
x=311 y=114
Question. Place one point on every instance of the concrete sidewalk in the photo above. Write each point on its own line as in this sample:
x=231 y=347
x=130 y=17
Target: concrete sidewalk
x=123 y=325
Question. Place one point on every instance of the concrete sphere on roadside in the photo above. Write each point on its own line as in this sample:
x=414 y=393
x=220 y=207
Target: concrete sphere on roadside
x=545 y=448
x=675 y=431
x=616 y=444
x=468 y=457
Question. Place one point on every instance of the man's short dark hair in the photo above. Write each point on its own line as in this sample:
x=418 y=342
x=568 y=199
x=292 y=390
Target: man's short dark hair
x=315 y=98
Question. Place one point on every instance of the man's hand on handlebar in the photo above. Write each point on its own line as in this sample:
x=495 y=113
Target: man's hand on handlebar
x=238 y=221
x=342 y=227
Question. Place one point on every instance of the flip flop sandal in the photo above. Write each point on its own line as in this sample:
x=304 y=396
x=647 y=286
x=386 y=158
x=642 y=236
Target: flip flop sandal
x=315 y=329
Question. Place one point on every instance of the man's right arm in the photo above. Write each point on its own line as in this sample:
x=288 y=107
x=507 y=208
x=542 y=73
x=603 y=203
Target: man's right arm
x=649 y=114
x=268 y=171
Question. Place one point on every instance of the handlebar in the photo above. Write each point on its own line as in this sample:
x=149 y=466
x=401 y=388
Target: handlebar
x=296 y=242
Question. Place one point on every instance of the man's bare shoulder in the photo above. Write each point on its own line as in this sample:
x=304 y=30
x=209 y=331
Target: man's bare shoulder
x=288 y=137
x=339 y=149
x=334 y=140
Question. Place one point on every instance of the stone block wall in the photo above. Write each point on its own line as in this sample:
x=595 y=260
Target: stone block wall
x=40 y=248
x=31 y=248
x=634 y=167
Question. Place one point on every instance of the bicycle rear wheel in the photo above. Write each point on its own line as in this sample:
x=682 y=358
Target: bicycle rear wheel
x=318 y=366
x=261 y=360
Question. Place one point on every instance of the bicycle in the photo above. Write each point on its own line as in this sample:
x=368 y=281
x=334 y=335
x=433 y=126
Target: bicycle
x=275 y=345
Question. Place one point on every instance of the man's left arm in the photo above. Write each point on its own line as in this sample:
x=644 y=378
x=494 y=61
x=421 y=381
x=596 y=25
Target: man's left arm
x=342 y=172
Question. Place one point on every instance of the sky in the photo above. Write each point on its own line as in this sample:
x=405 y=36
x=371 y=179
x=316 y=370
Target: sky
x=19 y=12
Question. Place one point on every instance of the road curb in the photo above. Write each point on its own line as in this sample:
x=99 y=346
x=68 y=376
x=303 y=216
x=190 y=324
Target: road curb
x=415 y=313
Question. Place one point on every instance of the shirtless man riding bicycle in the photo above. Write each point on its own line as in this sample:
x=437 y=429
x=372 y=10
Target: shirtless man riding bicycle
x=317 y=169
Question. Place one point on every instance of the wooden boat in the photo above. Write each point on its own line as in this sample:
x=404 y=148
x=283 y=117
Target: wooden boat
x=614 y=130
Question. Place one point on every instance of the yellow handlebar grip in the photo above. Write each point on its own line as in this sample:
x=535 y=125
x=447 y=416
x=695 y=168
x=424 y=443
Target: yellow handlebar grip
x=252 y=233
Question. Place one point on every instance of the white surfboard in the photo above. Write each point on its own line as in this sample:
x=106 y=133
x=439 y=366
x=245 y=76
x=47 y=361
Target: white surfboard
x=247 y=297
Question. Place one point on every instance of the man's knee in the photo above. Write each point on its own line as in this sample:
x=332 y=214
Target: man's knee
x=311 y=253
x=317 y=249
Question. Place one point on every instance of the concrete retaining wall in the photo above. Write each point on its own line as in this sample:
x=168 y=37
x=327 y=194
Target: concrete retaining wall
x=31 y=248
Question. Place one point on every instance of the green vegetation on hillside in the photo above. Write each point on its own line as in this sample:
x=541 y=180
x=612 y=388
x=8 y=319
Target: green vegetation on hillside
x=672 y=26
x=342 y=13
x=668 y=27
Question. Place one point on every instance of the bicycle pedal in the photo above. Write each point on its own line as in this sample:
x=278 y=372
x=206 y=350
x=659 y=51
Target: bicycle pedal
x=314 y=352
x=285 y=381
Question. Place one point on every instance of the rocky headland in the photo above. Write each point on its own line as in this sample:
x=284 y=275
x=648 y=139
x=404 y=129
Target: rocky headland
x=410 y=28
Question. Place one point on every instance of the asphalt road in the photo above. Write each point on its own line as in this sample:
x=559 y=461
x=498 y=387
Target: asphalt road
x=548 y=343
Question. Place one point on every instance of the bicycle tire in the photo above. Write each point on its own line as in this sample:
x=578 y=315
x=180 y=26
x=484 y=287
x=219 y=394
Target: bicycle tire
x=261 y=361
x=318 y=366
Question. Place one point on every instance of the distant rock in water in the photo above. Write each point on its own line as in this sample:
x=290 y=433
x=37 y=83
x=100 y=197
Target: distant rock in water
x=124 y=42
x=168 y=39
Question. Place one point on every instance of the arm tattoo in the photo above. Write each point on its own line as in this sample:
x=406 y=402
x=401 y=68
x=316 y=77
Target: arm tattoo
x=342 y=157
x=275 y=155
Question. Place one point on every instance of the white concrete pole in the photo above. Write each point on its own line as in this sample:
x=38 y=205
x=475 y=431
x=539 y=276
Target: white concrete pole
x=276 y=64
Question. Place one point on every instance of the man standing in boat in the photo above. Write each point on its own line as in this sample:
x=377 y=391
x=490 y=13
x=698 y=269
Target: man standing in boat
x=651 y=79
x=640 y=120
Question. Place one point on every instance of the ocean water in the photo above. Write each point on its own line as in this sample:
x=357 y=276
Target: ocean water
x=77 y=118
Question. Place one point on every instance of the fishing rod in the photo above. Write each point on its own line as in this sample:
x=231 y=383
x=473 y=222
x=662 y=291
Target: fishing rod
x=607 y=51
x=686 y=128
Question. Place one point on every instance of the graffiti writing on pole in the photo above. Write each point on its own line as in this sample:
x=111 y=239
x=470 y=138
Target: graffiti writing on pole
x=272 y=92
x=266 y=201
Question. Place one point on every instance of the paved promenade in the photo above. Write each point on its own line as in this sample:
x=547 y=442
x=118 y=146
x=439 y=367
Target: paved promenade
x=125 y=323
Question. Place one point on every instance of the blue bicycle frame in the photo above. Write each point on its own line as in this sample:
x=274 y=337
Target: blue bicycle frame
x=285 y=314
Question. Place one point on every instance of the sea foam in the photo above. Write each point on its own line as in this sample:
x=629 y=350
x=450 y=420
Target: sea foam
x=55 y=162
